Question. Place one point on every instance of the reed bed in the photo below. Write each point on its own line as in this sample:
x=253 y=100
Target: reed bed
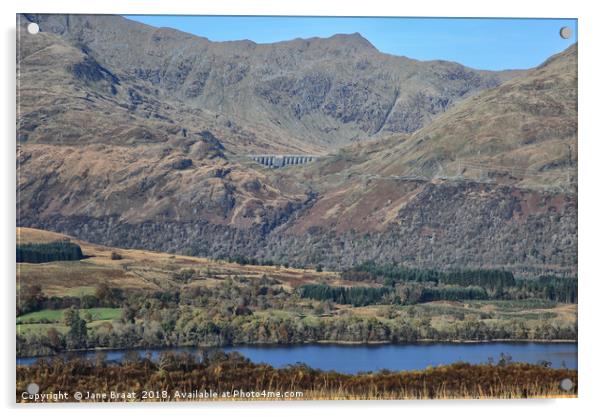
x=228 y=373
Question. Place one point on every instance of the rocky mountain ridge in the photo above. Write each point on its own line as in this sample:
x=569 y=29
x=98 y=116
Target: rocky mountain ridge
x=323 y=93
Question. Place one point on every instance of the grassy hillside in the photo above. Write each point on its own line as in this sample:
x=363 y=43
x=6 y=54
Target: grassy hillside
x=121 y=298
x=143 y=270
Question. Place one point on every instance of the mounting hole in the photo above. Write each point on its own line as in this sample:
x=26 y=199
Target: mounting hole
x=565 y=32
x=33 y=388
x=566 y=384
x=33 y=28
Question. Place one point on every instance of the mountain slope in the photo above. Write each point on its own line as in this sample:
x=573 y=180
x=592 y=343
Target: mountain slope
x=92 y=144
x=523 y=133
x=491 y=180
x=67 y=97
x=112 y=149
x=324 y=93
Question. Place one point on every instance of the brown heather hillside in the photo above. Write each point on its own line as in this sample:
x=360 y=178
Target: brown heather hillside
x=133 y=136
x=148 y=183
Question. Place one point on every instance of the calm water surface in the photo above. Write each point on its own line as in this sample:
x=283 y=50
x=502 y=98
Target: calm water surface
x=363 y=358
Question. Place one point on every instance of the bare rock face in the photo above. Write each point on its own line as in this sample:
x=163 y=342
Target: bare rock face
x=134 y=136
x=324 y=92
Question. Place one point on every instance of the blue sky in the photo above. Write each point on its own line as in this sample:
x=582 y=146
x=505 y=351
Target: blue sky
x=479 y=43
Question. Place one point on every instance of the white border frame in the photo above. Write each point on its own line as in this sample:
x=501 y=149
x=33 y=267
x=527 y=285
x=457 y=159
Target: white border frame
x=589 y=185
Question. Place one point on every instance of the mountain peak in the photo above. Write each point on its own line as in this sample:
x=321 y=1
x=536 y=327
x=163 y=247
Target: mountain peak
x=348 y=41
x=351 y=39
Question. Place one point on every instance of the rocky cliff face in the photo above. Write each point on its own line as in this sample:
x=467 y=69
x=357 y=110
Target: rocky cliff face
x=136 y=137
x=323 y=92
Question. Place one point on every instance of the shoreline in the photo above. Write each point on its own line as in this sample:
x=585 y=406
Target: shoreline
x=318 y=342
x=431 y=341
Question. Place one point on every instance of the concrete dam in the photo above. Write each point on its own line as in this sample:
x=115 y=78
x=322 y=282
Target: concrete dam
x=278 y=161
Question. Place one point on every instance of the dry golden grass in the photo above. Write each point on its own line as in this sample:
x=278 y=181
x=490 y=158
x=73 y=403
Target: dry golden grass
x=141 y=269
x=227 y=373
x=28 y=235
